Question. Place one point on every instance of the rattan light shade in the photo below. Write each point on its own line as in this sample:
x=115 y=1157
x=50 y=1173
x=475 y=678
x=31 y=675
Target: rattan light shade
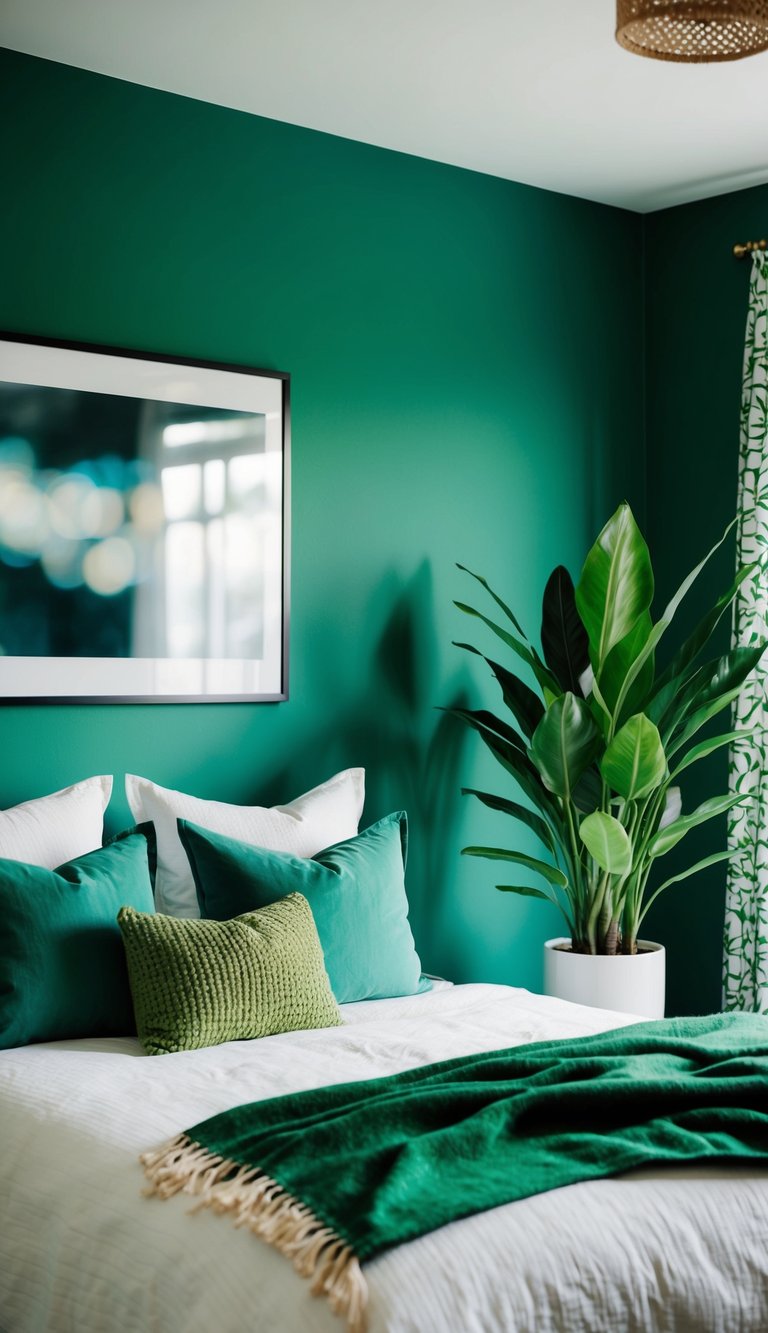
x=692 y=30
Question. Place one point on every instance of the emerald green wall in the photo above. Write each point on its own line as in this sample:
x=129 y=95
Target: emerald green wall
x=467 y=367
x=696 y=314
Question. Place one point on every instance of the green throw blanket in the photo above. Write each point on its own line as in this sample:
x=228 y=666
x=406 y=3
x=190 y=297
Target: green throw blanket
x=334 y=1176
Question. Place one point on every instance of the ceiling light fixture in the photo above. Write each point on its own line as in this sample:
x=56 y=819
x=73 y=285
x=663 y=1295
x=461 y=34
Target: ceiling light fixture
x=690 y=31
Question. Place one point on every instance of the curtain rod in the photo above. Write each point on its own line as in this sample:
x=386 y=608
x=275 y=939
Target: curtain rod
x=741 y=250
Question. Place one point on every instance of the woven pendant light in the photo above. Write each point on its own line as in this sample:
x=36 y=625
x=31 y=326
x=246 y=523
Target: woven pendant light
x=692 y=30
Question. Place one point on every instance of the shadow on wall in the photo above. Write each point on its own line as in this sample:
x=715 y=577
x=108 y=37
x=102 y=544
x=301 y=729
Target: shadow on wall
x=411 y=751
x=423 y=746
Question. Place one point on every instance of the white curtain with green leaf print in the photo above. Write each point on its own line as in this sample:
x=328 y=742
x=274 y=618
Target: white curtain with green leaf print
x=745 y=983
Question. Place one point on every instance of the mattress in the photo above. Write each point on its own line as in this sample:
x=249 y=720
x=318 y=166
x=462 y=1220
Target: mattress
x=82 y=1249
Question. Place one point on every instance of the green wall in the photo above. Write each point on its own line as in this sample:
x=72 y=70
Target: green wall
x=467 y=368
x=696 y=314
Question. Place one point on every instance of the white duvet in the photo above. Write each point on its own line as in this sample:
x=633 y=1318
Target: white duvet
x=81 y=1251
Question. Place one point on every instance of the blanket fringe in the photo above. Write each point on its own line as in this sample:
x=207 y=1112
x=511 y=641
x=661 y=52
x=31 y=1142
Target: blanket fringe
x=256 y=1201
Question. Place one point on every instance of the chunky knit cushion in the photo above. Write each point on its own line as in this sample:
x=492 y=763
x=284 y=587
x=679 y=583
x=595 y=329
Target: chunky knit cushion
x=199 y=983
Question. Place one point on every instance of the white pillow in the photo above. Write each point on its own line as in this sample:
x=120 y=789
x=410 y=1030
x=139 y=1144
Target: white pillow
x=325 y=815
x=56 y=828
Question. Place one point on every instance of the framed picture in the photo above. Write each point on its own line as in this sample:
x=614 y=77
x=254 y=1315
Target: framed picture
x=144 y=526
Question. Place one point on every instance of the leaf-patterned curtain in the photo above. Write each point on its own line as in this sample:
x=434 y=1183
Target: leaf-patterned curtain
x=745 y=976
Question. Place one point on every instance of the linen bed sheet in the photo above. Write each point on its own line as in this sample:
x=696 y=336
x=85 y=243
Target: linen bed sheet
x=81 y=1249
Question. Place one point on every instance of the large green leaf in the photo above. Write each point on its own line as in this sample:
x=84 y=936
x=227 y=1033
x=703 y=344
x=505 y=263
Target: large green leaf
x=548 y=872
x=516 y=762
x=667 y=838
x=709 y=693
x=526 y=891
x=503 y=605
x=521 y=701
x=563 y=637
x=565 y=743
x=528 y=655
x=607 y=842
x=588 y=792
x=661 y=627
x=673 y=707
x=617 y=665
x=616 y=585
x=663 y=702
x=634 y=762
x=686 y=874
x=705 y=748
x=703 y=715
x=521 y=812
x=483 y=721
x=677 y=671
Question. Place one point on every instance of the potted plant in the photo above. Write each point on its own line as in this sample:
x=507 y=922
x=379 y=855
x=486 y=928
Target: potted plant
x=600 y=739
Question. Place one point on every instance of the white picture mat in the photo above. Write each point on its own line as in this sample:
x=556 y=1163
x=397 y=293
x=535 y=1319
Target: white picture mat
x=127 y=376
x=130 y=377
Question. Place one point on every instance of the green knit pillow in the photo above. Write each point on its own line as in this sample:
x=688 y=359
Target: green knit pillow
x=199 y=983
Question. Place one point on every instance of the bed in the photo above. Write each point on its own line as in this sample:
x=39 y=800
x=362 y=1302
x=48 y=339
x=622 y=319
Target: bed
x=82 y=1249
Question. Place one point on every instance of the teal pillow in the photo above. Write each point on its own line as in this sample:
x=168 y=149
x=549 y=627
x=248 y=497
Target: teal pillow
x=356 y=890
x=62 y=963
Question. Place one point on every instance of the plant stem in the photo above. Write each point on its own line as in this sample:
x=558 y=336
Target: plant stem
x=649 y=820
x=596 y=909
x=573 y=839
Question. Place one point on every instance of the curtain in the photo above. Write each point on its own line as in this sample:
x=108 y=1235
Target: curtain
x=745 y=973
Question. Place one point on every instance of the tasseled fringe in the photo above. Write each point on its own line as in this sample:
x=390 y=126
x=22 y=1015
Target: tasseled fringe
x=258 y=1202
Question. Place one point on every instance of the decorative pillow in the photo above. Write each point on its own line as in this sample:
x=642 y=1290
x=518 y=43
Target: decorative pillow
x=356 y=890
x=326 y=814
x=62 y=966
x=56 y=828
x=199 y=983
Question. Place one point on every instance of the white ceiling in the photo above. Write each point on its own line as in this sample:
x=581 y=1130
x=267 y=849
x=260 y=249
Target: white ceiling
x=532 y=90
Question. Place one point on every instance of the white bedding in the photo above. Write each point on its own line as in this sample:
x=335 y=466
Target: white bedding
x=81 y=1251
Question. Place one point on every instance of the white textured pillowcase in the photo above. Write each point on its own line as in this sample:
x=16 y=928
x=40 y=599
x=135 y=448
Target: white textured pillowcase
x=327 y=814
x=53 y=829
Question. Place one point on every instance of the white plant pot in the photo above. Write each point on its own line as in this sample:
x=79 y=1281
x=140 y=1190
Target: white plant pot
x=628 y=983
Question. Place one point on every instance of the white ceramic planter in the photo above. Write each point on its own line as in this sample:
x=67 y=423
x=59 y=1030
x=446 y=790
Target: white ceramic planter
x=629 y=983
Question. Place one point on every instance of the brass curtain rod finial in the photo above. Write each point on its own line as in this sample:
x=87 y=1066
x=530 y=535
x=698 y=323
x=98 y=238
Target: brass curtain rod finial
x=748 y=246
